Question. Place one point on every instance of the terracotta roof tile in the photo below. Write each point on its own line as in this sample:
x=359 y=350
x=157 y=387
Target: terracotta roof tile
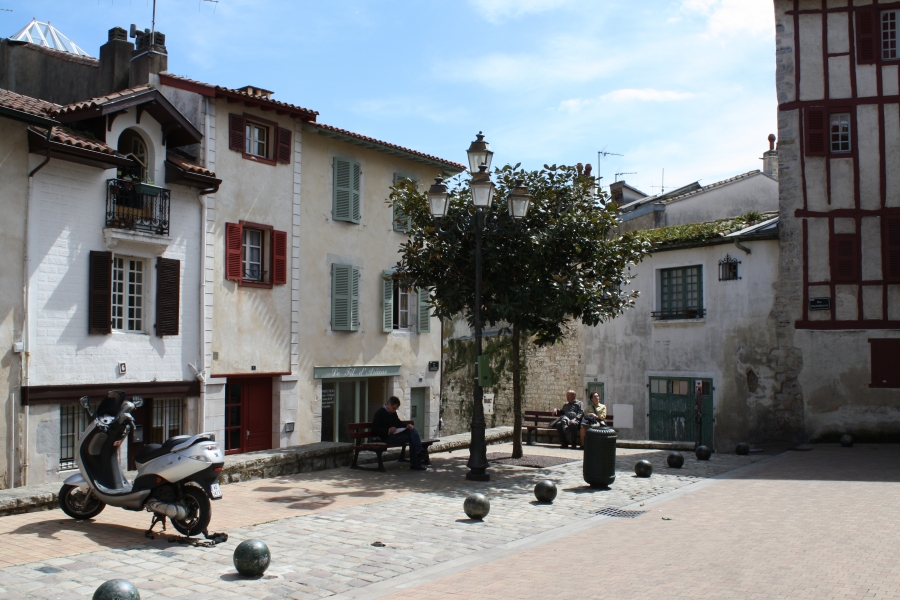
x=27 y=104
x=70 y=137
x=101 y=100
x=457 y=165
x=188 y=166
x=239 y=93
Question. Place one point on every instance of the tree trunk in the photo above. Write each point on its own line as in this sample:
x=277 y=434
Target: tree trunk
x=517 y=394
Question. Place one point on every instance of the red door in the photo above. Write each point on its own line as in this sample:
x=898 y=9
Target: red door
x=248 y=414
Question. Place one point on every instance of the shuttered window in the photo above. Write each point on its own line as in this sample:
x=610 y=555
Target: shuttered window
x=845 y=257
x=234 y=242
x=168 y=288
x=344 y=298
x=259 y=140
x=236 y=132
x=346 y=195
x=866 y=35
x=423 y=311
x=816 y=132
x=279 y=257
x=100 y=293
x=284 y=145
x=401 y=221
x=891 y=238
x=387 y=301
x=827 y=130
x=885 y=363
x=255 y=255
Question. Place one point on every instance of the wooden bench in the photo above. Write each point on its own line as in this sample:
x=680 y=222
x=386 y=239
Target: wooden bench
x=533 y=420
x=368 y=441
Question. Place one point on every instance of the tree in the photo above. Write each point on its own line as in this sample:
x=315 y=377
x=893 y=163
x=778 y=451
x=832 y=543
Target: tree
x=560 y=263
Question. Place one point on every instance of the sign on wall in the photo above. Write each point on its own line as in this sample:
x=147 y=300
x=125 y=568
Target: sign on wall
x=345 y=372
x=488 y=404
x=820 y=304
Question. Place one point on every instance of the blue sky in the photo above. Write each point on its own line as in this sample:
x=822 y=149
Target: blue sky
x=682 y=85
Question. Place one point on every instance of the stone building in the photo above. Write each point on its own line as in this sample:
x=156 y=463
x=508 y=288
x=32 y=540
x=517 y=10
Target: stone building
x=837 y=305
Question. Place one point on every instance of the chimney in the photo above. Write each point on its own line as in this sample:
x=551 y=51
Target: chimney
x=770 y=159
x=115 y=61
x=256 y=92
x=149 y=58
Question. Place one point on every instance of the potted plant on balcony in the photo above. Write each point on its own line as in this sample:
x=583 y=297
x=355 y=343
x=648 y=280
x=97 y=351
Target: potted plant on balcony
x=147 y=188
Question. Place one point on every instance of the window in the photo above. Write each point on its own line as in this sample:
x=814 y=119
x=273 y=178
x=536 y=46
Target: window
x=680 y=293
x=344 y=298
x=840 y=132
x=402 y=301
x=890 y=235
x=728 y=268
x=885 y=363
x=255 y=254
x=889 y=35
x=72 y=423
x=127 y=294
x=397 y=306
x=167 y=417
x=346 y=191
x=259 y=140
x=845 y=257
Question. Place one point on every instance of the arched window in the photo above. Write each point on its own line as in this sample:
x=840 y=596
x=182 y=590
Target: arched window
x=132 y=145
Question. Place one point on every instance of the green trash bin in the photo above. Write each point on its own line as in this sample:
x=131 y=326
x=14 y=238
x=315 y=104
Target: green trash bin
x=600 y=456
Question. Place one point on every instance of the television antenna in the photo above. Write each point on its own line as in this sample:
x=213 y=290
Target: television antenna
x=626 y=173
x=216 y=2
x=601 y=156
x=662 y=186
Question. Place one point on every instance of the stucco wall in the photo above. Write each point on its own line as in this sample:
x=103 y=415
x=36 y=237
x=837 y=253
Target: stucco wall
x=756 y=193
x=735 y=337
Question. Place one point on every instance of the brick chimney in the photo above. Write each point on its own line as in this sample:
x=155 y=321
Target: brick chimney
x=149 y=58
x=115 y=62
x=770 y=159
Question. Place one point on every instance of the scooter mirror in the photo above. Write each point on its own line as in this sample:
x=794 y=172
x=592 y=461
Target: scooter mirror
x=85 y=402
x=137 y=401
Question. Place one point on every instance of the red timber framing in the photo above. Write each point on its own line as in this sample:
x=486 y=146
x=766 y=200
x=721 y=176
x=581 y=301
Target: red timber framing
x=863 y=31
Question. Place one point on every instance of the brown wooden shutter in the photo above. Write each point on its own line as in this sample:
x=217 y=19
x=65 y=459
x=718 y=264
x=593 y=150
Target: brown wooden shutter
x=845 y=258
x=891 y=237
x=885 y=363
x=866 y=36
x=236 y=132
x=279 y=257
x=816 y=129
x=100 y=293
x=284 y=145
x=234 y=242
x=168 y=287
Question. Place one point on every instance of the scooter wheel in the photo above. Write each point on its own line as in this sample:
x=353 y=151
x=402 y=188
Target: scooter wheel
x=199 y=512
x=79 y=505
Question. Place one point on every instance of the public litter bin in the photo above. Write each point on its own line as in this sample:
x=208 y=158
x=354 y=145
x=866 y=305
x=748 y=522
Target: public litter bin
x=600 y=456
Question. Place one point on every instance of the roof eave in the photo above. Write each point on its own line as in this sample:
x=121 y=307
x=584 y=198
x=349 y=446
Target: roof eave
x=39 y=144
x=25 y=117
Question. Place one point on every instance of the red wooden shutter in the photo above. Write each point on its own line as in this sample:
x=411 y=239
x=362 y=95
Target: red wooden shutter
x=279 y=257
x=284 y=145
x=816 y=131
x=236 y=132
x=845 y=258
x=234 y=242
x=885 y=363
x=100 y=293
x=866 y=36
x=168 y=286
x=891 y=236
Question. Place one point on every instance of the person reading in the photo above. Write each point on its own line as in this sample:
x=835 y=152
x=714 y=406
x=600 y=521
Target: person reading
x=386 y=425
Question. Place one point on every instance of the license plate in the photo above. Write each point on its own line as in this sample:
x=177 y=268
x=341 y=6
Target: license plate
x=215 y=491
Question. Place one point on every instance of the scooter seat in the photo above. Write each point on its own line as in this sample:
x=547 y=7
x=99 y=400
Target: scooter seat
x=151 y=451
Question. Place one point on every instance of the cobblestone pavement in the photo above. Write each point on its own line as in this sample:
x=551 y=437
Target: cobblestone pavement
x=327 y=549
x=820 y=524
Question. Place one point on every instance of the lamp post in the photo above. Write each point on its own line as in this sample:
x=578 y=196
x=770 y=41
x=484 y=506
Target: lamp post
x=519 y=199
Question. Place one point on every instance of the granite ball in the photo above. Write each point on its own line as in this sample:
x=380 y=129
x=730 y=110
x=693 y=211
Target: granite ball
x=545 y=491
x=477 y=506
x=251 y=558
x=846 y=440
x=675 y=460
x=643 y=468
x=703 y=453
x=117 y=589
x=742 y=449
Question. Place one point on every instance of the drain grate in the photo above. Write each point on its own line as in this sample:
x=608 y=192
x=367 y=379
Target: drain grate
x=618 y=512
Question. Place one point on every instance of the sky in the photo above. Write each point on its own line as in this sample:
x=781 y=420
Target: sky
x=684 y=86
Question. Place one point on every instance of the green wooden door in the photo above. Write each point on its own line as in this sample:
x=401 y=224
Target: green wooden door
x=595 y=387
x=673 y=410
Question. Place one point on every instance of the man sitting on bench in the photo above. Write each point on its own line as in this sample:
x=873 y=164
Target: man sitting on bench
x=569 y=424
x=386 y=425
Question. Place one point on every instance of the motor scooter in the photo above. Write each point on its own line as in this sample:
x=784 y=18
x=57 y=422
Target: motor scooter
x=176 y=479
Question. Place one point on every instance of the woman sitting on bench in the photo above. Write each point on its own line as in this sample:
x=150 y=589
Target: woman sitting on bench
x=386 y=425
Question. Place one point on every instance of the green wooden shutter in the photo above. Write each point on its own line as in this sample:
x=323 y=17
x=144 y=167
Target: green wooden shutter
x=387 y=301
x=423 y=311
x=354 y=298
x=340 y=297
x=340 y=210
x=401 y=221
x=355 y=192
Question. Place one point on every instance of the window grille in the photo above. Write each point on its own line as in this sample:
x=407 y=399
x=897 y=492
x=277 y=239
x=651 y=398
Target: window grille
x=840 y=132
x=728 y=268
x=72 y=423
x=167 y=419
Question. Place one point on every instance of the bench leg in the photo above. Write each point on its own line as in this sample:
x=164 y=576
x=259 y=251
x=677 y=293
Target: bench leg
x=353 y=465
x=380 y=463
x=427 y=459
x=530 y=442
x=402 y=454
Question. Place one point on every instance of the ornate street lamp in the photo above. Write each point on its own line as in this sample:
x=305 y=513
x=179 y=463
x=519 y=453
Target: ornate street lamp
x=438 y=198
x=519 y=199
x=479 y=154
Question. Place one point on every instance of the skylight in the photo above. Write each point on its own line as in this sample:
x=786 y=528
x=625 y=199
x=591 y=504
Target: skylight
x=46 y=35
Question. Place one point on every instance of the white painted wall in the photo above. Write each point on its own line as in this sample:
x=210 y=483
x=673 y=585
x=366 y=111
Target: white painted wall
x=755 y=193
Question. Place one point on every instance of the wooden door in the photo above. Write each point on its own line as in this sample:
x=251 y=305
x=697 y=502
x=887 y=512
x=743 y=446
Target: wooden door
x=257 y=401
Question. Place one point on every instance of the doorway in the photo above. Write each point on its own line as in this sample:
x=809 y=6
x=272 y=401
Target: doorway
x=674 y=402
x=248 y=414
x=155 y=422
x=417 y=409
x=346 y=401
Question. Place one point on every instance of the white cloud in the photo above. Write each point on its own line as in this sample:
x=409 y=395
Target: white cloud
x=575 y=105
x=728 y=17
x=496 y=11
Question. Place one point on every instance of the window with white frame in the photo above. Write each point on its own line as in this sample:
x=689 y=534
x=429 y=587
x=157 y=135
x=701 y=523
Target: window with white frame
x=257 y=139
x=840 y=132
x=402 y=312
x=253 y=250
x=127 y=294
x=889 y=35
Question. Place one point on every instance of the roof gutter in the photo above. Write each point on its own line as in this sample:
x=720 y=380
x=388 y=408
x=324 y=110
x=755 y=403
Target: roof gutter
x=20 y=115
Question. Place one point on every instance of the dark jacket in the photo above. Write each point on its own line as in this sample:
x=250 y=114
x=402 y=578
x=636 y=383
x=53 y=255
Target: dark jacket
x=382 y=421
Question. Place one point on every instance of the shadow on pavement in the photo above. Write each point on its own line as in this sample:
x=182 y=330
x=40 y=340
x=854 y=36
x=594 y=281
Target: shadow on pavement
x=831 y=462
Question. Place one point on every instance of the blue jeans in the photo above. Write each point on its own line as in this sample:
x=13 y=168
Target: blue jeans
x=411 y=437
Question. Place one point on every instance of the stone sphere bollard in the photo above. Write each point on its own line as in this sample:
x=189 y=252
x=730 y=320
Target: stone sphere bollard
x=703 y=453
x=675 y=460
x=251 y=558
x=643 y=468
x=545 y=491
x=846 y=440
x=742 y=449
x=117 y=589
x=477 y=506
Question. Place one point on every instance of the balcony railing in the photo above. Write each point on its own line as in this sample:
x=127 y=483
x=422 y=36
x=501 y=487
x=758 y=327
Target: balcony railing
x=137 y=206
x=679 y=313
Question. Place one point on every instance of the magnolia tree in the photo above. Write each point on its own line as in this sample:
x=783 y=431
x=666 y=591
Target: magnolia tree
x=559 y=264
